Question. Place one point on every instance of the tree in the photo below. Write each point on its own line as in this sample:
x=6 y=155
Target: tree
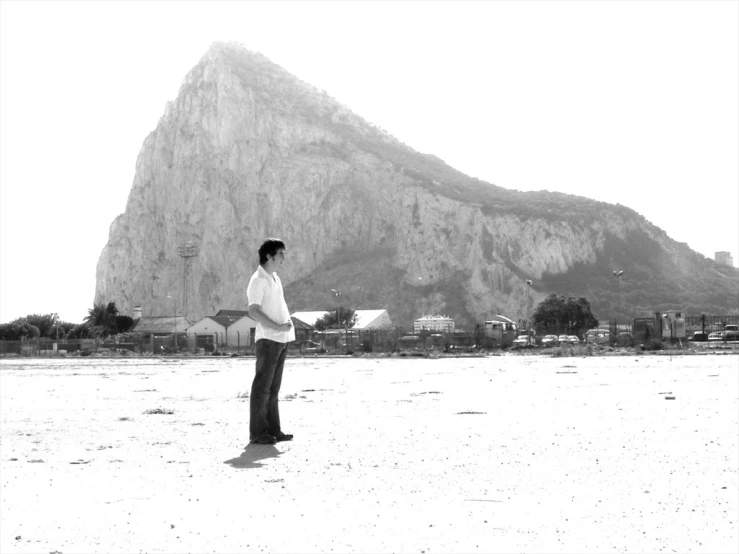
x=331 y=319
x=580 y=316
x=123 y=323
x=81 y=331
x=564 y=314
x=49 y=325
x=10 y=331
x=102 y=319
x=65 y=327
x=44 y=322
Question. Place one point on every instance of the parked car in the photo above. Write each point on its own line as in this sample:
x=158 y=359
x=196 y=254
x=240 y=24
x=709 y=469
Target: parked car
x=573 y=340
x=435 y=340
x=310 y=347
x=699 y=336
x=409 y=342
x=716 y=335
x=456 y=348
x=598 y=336
x=522 y=341
x=563 y=340
x=731 y=332
x=550 y=340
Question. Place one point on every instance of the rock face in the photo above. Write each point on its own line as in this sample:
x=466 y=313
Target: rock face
x=248 y=151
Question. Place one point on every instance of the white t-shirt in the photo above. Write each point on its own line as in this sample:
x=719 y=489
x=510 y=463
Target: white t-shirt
x=266 y=290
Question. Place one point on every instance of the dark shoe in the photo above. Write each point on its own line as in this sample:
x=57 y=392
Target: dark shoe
x=283 y=437
x=266 y=439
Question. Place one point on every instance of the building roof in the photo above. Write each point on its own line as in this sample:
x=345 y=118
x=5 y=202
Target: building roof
x=364 y=317
x=309 y=318
x=223 y=319
x=160 y=324
x=227 y=320
x=300 y=324
x=232 y=313
x=435 y=317
x=501 y=318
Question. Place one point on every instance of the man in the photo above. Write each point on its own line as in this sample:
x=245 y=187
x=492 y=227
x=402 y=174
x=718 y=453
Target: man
x=274 y=330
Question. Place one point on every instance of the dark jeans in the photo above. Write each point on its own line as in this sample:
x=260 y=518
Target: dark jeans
x=264 y=411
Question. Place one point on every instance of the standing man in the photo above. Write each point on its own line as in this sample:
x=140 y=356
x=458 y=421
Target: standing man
x=274 y=330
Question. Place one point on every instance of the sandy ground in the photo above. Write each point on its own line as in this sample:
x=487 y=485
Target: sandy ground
x=498 y=454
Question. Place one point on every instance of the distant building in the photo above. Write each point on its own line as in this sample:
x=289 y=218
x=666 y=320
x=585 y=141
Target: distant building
x=440 y=323
x=231 y=327
x=724 y=258
x=671 y=324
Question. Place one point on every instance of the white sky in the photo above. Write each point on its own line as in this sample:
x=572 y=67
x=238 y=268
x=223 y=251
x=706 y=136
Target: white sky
x=631 y=102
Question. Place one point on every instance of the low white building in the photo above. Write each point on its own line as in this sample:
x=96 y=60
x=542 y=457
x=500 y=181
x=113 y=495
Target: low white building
x=228 y=327
x=438 y=323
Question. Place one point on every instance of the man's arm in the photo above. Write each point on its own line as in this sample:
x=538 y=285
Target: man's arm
x=256 y=313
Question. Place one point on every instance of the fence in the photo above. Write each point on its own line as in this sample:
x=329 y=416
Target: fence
x=306 y=342
x=43 y=347
x=709 y=323
x=154 y=344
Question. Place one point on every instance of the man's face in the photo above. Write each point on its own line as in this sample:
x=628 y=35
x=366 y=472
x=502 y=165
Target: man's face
x=279 y=257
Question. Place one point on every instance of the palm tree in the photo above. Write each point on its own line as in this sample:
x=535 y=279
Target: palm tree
x=101 y=319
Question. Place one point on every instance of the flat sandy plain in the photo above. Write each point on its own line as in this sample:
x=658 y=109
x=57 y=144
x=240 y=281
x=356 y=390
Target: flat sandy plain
x=499 y=454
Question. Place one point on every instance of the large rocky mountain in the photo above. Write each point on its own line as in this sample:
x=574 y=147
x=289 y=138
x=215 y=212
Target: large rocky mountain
x=248 y=151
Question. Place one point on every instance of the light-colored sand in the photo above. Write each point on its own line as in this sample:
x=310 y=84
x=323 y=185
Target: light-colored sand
x=499 y=454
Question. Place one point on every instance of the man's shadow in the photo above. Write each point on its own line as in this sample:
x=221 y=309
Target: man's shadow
x=251 y=455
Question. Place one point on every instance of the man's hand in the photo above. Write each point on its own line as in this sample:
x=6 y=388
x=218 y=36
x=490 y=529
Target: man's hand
x=256 y=313
x=285 y=326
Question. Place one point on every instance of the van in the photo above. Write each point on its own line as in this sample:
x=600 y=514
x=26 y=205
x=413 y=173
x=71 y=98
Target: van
x=598 y=336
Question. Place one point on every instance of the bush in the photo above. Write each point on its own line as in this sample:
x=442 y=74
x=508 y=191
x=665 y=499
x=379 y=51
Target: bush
x=367 y=345
x=653 y=344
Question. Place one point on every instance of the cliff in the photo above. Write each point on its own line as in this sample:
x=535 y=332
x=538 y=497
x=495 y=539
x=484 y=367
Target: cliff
x=247 y=151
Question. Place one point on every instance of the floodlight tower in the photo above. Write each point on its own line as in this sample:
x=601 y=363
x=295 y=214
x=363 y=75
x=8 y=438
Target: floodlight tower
x=529 y=282
x=618 y=275
x=186 y=252
x=337 y=294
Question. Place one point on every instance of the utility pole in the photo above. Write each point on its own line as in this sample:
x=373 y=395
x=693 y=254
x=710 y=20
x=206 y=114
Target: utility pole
x=175 y=320
x=186 y=252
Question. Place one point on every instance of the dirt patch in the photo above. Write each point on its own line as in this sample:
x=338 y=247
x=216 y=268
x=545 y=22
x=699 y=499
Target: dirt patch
x=387 y=456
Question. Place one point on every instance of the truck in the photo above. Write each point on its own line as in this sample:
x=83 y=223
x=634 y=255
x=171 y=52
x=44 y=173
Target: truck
x=499 y=331
x=731 y=332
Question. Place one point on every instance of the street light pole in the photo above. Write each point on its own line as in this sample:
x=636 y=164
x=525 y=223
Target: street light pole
x=175 y=321
x=337 y=294
x=528 y=317
x=618 y=275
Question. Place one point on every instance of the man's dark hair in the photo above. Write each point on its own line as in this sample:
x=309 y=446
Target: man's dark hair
x=269 y=248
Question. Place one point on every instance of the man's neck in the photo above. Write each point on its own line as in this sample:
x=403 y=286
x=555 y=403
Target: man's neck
x=270 y=268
